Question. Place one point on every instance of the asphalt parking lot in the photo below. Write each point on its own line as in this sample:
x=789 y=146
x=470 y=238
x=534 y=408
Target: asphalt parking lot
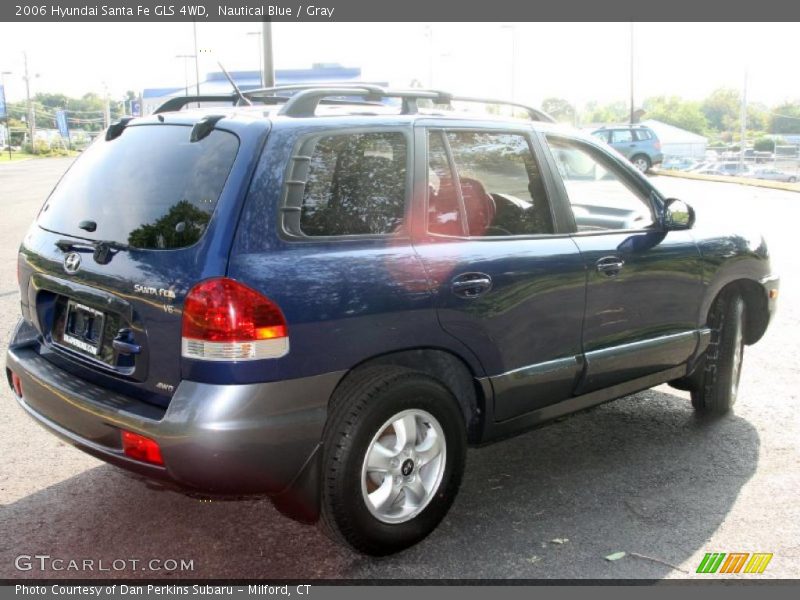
x=640 y=475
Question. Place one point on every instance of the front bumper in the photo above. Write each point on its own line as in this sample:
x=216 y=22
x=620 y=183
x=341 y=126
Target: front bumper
x=220 y=439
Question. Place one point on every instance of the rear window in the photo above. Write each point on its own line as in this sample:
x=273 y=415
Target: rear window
x=150 y=188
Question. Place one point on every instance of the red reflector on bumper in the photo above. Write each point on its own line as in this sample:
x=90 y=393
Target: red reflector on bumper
x=141 y=448
x=16 y=383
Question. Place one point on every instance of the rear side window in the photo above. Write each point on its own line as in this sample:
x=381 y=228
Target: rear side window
x=356 y=185
x=642 y=135
x=500 y=190
x=620 y=136
x=150 y=188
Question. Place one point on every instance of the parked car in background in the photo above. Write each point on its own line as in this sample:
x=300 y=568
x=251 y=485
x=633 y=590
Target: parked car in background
x=774 y=175
x=637 y=143
x=708 y=170
x=733 y=168
x=679 y=163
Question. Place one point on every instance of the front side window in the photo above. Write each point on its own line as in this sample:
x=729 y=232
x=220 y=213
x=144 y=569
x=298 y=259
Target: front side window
x=356 y=185
x=500 y=190
x=599 y=194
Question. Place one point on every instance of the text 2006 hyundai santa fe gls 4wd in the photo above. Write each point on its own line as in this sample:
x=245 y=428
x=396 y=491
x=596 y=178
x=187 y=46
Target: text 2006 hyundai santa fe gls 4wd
x=327 y=298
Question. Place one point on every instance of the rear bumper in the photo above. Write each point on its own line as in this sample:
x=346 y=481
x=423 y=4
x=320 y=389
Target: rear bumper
x=220 y=439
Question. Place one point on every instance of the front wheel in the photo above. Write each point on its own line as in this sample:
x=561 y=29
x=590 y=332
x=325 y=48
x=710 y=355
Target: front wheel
x=721 y=368
x=393 y=457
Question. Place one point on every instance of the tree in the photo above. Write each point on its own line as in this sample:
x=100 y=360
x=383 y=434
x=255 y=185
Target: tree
x=559 y=109
x=785 y=118
x=722 y=109
x=675 y=111
x=614 y=112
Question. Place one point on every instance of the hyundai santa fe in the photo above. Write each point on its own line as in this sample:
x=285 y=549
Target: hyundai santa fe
x=326 y=295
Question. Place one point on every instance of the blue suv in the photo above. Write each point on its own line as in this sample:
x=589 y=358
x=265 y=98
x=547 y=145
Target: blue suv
x=637 y=143
x=327 y=296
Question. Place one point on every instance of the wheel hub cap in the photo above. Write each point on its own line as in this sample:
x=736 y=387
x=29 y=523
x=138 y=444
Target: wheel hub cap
x=403 y=466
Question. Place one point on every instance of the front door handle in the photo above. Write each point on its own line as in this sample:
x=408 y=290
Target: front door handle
x=471 y=285
x=610 y=265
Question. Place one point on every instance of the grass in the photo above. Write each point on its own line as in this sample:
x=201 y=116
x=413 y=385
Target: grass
x=16 y=156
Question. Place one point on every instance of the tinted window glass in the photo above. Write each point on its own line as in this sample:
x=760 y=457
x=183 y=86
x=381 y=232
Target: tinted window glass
x=598 y=193
x=619 y=136
x=356 y=185
x=151 y=187
x=501 y=184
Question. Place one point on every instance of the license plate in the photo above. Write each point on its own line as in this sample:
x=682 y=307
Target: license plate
x=83 y=328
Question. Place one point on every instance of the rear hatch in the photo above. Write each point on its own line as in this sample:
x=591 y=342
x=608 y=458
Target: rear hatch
x=133 y=225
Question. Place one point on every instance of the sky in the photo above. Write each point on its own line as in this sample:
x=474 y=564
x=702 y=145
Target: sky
x=579 y=62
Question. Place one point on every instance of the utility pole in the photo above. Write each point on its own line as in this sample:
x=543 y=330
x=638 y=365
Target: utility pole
x=429 y=35
x=513 y=30
x=106 y=108
x=186 y=58
x=631 y=117
x=31 y=113
x=8 y=116
x=260 y=57
x=196 y=61
x=268 y=66
x=743 y=120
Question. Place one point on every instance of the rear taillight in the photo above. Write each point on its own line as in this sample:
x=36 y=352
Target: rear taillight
x=226 y=320
x=141 y=448
x=658 y=145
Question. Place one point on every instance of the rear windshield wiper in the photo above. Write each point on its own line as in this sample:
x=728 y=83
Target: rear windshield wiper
x=103 y=250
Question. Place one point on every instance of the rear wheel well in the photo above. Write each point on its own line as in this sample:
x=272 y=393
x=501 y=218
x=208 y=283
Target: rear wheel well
x=446 y=368
x=755 y=304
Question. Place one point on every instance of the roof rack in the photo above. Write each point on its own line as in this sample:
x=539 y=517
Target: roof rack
x=178 y=102
x=305 y=99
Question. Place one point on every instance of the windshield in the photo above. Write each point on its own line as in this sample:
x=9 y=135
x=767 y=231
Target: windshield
x=150 y=188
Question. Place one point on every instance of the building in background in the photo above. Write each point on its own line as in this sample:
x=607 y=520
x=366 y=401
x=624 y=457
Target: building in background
x=678 y=142
x=217 y=83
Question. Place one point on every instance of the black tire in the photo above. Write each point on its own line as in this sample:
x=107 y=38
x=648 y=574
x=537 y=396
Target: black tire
x=717 y=376
x=642 y=162
x=360 y=407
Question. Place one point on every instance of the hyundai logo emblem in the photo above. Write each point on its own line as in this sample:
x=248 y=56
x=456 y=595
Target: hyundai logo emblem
x=72 y=262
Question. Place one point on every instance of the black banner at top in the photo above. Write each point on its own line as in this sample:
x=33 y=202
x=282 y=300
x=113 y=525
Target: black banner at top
x=398 y=11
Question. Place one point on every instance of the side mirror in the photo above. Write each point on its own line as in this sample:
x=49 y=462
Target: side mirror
x=678 y=215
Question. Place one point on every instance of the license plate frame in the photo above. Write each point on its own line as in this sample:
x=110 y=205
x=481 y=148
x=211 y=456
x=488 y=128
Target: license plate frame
x=91 y=323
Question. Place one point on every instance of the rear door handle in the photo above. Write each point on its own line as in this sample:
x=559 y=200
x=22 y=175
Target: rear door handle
x=610 y=265
x=471 y=285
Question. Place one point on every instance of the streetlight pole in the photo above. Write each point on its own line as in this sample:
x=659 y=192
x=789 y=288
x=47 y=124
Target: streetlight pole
x=8 y=117
x=269 y=66
x=260 y=57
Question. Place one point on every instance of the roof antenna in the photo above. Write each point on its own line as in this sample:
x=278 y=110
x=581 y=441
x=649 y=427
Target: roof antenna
x=236 y=89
